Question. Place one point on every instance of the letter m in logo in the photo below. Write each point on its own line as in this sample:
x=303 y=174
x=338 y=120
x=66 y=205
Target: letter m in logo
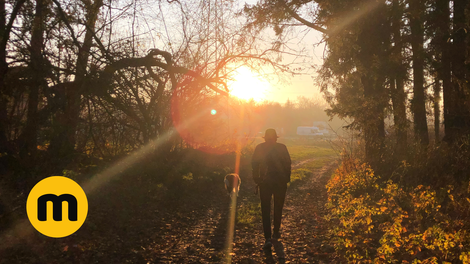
x=57 y=206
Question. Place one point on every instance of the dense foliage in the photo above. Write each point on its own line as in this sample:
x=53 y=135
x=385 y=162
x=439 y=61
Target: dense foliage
x=419 y=214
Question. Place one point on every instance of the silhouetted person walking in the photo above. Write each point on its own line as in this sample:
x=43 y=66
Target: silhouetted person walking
x=271 y=171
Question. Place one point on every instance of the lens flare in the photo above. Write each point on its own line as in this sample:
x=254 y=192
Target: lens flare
x=218 y=132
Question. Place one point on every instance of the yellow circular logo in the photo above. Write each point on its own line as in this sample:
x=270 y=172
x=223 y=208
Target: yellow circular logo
x=57 y=206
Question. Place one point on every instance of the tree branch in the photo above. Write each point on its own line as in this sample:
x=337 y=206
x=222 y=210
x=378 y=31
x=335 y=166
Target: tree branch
x=150 y=61
x=67 y=24
x=13 y=16
x=302 y=20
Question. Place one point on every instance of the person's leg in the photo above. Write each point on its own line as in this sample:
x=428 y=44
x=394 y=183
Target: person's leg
x=279 y=198
x=265 y=194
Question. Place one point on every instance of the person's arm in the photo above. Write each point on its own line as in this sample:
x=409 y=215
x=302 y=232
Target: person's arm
x=255 y=163
x=288 y=163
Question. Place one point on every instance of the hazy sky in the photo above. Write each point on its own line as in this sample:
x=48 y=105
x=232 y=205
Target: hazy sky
x=300 y=85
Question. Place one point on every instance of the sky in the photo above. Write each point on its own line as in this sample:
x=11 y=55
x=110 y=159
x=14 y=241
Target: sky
x=303 y=84
x=299 y=85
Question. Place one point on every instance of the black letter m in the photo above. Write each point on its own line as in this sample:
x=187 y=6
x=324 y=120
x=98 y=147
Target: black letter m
x=57 y=206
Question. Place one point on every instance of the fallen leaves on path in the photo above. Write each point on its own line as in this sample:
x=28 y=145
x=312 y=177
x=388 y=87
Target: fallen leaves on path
x=132 y=222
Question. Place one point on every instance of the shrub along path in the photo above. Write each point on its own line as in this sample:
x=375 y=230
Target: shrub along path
x=134 y=221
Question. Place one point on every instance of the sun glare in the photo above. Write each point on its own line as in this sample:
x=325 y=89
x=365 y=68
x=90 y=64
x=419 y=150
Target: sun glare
x=246 y=85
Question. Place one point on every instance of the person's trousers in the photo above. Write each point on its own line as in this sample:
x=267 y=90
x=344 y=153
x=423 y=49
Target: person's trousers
x=266 y=191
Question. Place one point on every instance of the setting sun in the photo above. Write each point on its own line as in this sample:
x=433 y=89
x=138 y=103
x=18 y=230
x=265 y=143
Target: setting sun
x=246 y=85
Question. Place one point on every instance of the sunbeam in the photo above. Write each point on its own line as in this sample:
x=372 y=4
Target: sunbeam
x=233 y=208
x=230 y=228
x=102 y=178
x=354 y=15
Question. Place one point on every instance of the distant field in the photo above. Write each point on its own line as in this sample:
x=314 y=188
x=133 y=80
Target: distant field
x=305 y=148
x=303 y=152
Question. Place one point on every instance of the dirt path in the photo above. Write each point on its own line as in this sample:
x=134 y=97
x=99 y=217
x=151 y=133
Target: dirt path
x=304 y=237
x=132 y=222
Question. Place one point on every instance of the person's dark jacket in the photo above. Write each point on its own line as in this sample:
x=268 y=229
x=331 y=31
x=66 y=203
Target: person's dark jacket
x=271 y=163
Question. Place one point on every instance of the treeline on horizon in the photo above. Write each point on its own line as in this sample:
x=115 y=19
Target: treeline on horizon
x=284 y=117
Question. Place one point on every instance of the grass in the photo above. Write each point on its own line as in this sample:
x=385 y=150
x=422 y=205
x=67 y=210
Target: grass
x=301 y=152
x=313 y=141
x=318 y=163
x=299 y=174
x=249 y=213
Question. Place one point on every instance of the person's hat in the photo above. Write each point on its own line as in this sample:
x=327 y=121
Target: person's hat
x=270 y=133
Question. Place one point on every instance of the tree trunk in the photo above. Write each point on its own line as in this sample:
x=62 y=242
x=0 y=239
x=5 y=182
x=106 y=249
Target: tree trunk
x=437 y=110
x=3 y=71
x=459 y=114
x=63 y=143
x=30 y=133
x=444 y=69
x=5 y=30
x=397 y=82
x=418 y=106
x=370 y=41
